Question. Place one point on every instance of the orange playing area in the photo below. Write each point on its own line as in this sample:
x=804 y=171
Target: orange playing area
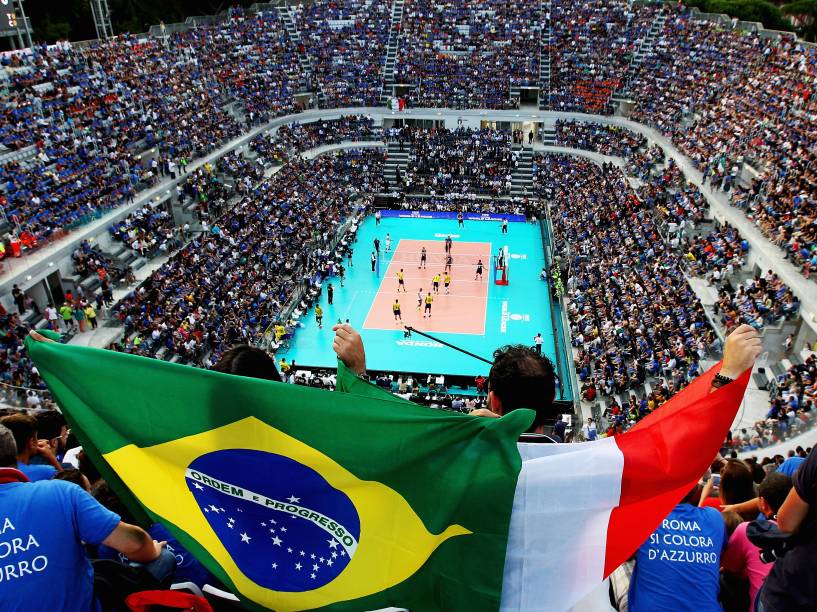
x=462 y=311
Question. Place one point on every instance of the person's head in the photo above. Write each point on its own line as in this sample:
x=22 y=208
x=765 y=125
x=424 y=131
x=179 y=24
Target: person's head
x=24 y=429
x=75 y=476
x=737 y=484
x=521 y=378
x=87 y=467
x=8 y=448
x=772 y=492
x=249 y=361
x=103 y=493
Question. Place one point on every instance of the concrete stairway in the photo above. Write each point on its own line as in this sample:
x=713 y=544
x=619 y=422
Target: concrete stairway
x=645 y=49
x=396 y=159
x=295 y=36
x=544 y=57
x=522 y=177
x=391 y=51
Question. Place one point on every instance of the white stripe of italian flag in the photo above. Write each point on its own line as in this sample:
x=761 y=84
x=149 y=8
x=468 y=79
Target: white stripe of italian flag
x=580 y=510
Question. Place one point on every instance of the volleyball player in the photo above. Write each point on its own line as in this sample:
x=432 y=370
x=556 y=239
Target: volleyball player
x=388 y=243
x=435 y=284
x=419 y=299
x=401 y=281
x=478 y=275
x=460 y=219
x=448 y=243
x=428 y=300
x=319 y=316
x=423 y=255
x=448 y=261
x=396 y=310
x=447 y=282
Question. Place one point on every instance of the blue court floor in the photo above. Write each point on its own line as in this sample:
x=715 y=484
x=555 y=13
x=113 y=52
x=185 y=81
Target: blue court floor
x=514 y=313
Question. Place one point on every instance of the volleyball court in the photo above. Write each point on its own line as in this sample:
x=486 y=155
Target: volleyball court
x=461 y=311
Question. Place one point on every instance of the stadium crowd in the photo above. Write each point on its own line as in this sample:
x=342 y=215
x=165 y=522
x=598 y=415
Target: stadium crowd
x=294 y=138
x=632 y=313
x=346 y=43
x=458 y=161
x=604 y=139
x=468 y=55
x=231 y=284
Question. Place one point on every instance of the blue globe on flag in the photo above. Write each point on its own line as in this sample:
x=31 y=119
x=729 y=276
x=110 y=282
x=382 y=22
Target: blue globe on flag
x=284 y=526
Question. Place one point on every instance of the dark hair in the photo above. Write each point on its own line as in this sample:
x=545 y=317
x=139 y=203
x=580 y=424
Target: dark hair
x=732 y=520
x=50 y=424
x=774 y=489
x=88 y=468
x=71 y=475
x=23 y=428
x=103 y=493
x=520 y=378
x=249 y=361
x=737 y=484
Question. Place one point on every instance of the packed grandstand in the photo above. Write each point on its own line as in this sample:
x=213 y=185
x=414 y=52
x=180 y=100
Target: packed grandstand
x=175 y=194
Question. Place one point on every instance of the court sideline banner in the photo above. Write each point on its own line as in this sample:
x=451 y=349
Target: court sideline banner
x=468 y=216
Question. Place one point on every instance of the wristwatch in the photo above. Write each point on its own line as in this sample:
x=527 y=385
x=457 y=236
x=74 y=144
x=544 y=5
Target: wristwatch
x=720 y=380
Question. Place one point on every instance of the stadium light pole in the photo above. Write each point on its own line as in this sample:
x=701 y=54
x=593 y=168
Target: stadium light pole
x=101 y=13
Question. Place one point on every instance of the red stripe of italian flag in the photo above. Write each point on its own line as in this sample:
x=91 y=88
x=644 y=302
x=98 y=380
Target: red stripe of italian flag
x=580 y=510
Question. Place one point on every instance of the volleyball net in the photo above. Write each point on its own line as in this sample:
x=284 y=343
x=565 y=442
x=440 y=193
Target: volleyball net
x=432 y=259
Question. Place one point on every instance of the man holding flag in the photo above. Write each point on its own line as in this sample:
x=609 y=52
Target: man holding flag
x=395 y=504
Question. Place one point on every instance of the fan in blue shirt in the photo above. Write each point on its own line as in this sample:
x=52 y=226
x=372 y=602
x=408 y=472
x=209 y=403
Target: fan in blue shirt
x=678 y=567
x=43 y=526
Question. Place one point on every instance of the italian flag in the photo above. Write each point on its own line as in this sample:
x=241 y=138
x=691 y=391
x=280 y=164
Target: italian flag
x=302 y=499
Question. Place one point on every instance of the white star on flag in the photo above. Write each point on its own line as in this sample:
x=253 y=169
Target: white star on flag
x=329 y=563
x=213 y=508
x=272 y=529
x=274 y=566
x=293 y=500
x=315 y=567
x=198 y=486
x=232 y=520
x=321 y=559
x=284 y=529
x=263 y=524
x=276 y=540
x=289 y=550
x=334 y=555
x=303 y=554
x=297 y=566
x=332 y=544
x=312 y=556
x=313 y=576
x=245 y=538
x=230 y=525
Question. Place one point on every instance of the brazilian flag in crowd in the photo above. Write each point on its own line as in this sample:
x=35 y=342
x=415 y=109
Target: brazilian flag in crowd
x=298 y=498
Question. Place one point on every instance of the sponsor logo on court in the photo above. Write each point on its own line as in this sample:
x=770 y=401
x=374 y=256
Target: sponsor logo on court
x=510 y=316
x=446 y=235
x=425 y=343
x=519 y=256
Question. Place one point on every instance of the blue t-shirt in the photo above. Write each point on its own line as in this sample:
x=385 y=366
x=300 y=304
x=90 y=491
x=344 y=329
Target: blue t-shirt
x=188 y=569
x=677 y=568
x=42 y=528
x=36 y=471
x=790 y=465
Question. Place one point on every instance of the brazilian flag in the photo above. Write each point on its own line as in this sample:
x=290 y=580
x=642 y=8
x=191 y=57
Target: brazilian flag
x=299 y=498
